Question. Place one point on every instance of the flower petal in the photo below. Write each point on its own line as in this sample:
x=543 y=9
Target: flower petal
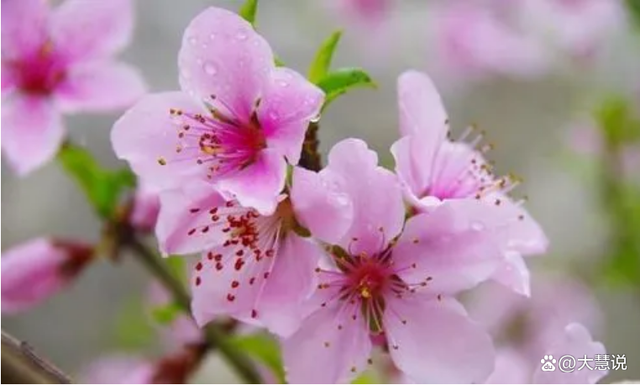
x=320 y=205
x=288 y=103
x=184 y=223
x=223 y=286
x=578 y=343
x=24 y=25
x=32 y=132
x=31 y=272
x=452 y=245
x=514 y=274
x=99 y=87
x=91 y=29
x=9 y=78
x=375 y=193
x=320 y=352
x=146 y=136
x=511 y=368
x=436 y=341
x=292 y=280
x=222 y=55
x=259 y=185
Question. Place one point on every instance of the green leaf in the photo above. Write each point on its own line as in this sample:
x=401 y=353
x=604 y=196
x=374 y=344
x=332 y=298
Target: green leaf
x=342 y=80
x=365 y=378
x=167 y=313
x=264 y=349
x=322 y=62
x=617 y=118
x=249 y=10
x=102 y=187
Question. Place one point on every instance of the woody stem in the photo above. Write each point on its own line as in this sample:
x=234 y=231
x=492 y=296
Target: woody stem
x=214 y=335
x=310 y=157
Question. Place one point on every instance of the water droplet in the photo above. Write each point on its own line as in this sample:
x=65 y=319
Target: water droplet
x=477 y=226
x=212 y=36
x=283 y=83
x=342 y=200
x=193 y=40
x=241 y=35
x=186 y=74
x=204 y=46
x=210 y=68
x=315 y=119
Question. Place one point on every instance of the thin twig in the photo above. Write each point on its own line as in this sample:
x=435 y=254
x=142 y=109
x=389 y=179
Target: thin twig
x=310 y=157
x=214 y=335
x=22 y=365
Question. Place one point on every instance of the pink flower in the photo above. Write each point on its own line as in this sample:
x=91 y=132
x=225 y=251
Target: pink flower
x=38 y=269
x=433 y=170
x=578 y=343
x=255 y=268
x=58 y=61
x=530 y=328
x=145 y=209
x=380 y=281
x=477 y=39
x=236 y=123
x=119 y=369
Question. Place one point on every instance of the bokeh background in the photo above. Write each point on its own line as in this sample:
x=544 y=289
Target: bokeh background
x=529 y=121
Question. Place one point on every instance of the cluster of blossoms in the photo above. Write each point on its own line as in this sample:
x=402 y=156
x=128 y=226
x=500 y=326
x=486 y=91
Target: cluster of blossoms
x=334 y=262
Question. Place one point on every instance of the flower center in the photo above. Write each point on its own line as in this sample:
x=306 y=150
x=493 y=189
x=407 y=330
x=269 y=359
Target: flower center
x=41 y=73
x=221 y=143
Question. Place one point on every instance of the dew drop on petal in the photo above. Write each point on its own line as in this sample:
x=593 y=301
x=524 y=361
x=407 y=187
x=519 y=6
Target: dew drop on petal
x=210 y=68
x=477 y=226
x=193 y=40
x=283 y=83
x=241 y=35
x=186 y=74
x=212 y=36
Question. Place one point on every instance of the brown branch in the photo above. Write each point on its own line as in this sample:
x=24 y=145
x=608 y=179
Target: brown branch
x=22 y=365
x=310 y=157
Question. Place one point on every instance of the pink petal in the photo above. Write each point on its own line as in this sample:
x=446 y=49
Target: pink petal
x=146 y=134
x=24 y=24
x=31 y=273
x=222 y=55
x=320 y=204
x=451 y=245
x=577 y=342
x=225 y=287
x=260 y=184
x=182 y=211
x=99 y=87
x=91 y=29
x=511 y=368
x=421 y=110
x=410 y=171
x=514 y=274
x=9 y=78
x=319 y=352
x=32 y=132
x=287 y=105
x=291 y=281
x=436 y=341
x=376 y=194
x=514 y=228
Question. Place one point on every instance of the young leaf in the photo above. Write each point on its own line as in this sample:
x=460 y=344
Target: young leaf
x=264 y=349
x=342 y=80
x=102 y=187
x=249 y=10
x=178 y=267
x=132 y=328
x=322 y=62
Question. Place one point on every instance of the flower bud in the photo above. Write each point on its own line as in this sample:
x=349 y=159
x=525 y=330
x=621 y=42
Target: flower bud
x=38 y=269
